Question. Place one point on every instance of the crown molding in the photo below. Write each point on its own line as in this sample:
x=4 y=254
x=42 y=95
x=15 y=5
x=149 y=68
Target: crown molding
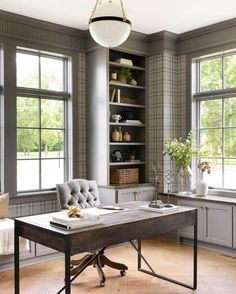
x=18 y=27
x=161 y=41
x=27 y=30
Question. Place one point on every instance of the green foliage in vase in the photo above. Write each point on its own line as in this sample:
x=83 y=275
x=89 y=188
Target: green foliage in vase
x=182 y=151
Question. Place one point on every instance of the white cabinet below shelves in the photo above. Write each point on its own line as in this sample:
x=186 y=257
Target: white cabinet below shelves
x=214 y=222
x=110 y=195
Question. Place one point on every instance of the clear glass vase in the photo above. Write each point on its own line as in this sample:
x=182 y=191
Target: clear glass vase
x=185 y=176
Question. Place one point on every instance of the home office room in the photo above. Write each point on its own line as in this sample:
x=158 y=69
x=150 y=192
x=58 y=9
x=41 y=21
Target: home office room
x=118 y=139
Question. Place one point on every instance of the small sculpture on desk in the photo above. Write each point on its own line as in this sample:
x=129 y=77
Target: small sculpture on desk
x=168 y=178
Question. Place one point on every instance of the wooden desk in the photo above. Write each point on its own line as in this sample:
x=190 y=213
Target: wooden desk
x=133 y=224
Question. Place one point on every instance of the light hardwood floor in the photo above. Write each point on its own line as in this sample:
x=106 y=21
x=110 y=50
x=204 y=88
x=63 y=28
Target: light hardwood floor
x=216 y=273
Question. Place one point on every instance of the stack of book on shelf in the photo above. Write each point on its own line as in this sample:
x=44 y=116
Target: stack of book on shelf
x=124 y=61
x=131 y=121
x=115 y=95
x=61 y=220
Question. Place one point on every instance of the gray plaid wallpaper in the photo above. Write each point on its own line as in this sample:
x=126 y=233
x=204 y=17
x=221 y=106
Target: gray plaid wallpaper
x=18 y=210
x=167 y=95
x=82 y=172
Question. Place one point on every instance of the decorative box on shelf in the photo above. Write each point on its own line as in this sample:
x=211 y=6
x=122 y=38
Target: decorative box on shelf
x=124 y=175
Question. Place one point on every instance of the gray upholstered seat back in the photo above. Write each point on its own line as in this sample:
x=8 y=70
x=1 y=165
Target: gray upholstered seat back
x=78 y=192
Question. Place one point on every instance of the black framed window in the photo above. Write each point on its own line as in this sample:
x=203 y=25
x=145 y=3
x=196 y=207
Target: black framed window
x=41 y=103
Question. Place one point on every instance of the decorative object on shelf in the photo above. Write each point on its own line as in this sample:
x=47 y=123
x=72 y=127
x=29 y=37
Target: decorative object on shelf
x=128 y=100
x=108 y=24
x=126 y=137
x=124 y=75
x=116 y=117
x=117 y=156
x=202 y=185
x=120 y=135
x=124 y=176
x=129 y=114
x=115 y=135
x=132 y=154
x=124 y=61
x=114 y=75
x=133 y=82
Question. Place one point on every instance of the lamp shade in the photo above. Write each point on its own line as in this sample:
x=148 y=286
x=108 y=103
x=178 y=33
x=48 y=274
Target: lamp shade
x=108 y=27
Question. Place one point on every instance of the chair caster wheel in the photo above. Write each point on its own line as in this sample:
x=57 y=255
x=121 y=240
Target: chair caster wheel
x=102 y=284
x=123 y=273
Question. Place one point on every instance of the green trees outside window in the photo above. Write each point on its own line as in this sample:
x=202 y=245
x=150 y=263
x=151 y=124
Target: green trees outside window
x=216 y=114
x=41 y=123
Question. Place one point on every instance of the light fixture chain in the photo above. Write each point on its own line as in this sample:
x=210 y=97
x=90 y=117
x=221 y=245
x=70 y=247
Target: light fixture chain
x=123 y=10
x=94 y=9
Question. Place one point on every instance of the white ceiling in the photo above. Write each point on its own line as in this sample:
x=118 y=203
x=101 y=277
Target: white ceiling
x=148 y=16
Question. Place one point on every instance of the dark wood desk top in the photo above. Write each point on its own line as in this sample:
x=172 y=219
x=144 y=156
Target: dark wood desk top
x=117 y=228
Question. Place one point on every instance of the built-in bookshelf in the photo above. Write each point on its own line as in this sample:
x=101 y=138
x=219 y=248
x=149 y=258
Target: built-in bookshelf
x=128 y=102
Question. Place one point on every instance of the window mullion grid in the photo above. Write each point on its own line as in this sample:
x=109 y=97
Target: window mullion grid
x=40 y=144
x=223 y=142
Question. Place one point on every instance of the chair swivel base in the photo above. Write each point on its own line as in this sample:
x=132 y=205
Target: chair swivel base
x=99 y=262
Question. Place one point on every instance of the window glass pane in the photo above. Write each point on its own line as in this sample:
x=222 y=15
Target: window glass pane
x=211 y=113
x=230 y=71
x=52 y=172
x=230 y=112
x=213 y=140
x=230 y=173
x=27 y=112
x=27 y=66
x=27 y=143
x=215 y=178
x=27 y=175
x=52 y=143
x=230 y=143
x=210 y=75
x=52 y=77
x=52 y=113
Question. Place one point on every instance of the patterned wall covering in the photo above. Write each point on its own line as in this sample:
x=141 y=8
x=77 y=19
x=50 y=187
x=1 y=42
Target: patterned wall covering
x=167 y=95
x=31 y=208
x=82 y=172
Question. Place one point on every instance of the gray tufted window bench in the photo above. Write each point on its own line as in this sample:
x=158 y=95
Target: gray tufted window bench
x=84 y=194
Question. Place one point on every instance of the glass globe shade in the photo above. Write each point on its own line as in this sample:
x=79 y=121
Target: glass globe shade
x=107 y=26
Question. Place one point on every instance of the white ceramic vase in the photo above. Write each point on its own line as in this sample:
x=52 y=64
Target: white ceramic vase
x=202 y=186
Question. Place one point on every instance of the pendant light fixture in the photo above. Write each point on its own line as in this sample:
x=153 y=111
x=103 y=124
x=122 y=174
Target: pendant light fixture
x=108 y=24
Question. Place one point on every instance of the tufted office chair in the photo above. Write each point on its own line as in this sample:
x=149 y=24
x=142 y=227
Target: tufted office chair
x=84 y=194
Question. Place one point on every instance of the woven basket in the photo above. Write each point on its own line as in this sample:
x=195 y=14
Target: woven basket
x=124 y=175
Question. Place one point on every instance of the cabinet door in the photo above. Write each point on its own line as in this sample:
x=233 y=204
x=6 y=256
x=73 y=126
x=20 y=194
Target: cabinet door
x=218 y=224
x=126 y=195
x=43 y=250
x=145 y=194
x=234 y=227
x=188 y=231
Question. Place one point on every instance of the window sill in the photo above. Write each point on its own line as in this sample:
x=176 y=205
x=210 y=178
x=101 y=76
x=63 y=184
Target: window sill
x=33 y=197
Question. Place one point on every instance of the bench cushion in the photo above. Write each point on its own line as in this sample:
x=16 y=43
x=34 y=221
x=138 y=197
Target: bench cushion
x=7 y=237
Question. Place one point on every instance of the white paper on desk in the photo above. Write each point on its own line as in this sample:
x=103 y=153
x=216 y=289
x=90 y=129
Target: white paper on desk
x=94 y=211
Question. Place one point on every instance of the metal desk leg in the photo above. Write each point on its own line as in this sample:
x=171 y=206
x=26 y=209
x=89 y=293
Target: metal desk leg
x=153 y=273
x=16 y=260
x=67 y=266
